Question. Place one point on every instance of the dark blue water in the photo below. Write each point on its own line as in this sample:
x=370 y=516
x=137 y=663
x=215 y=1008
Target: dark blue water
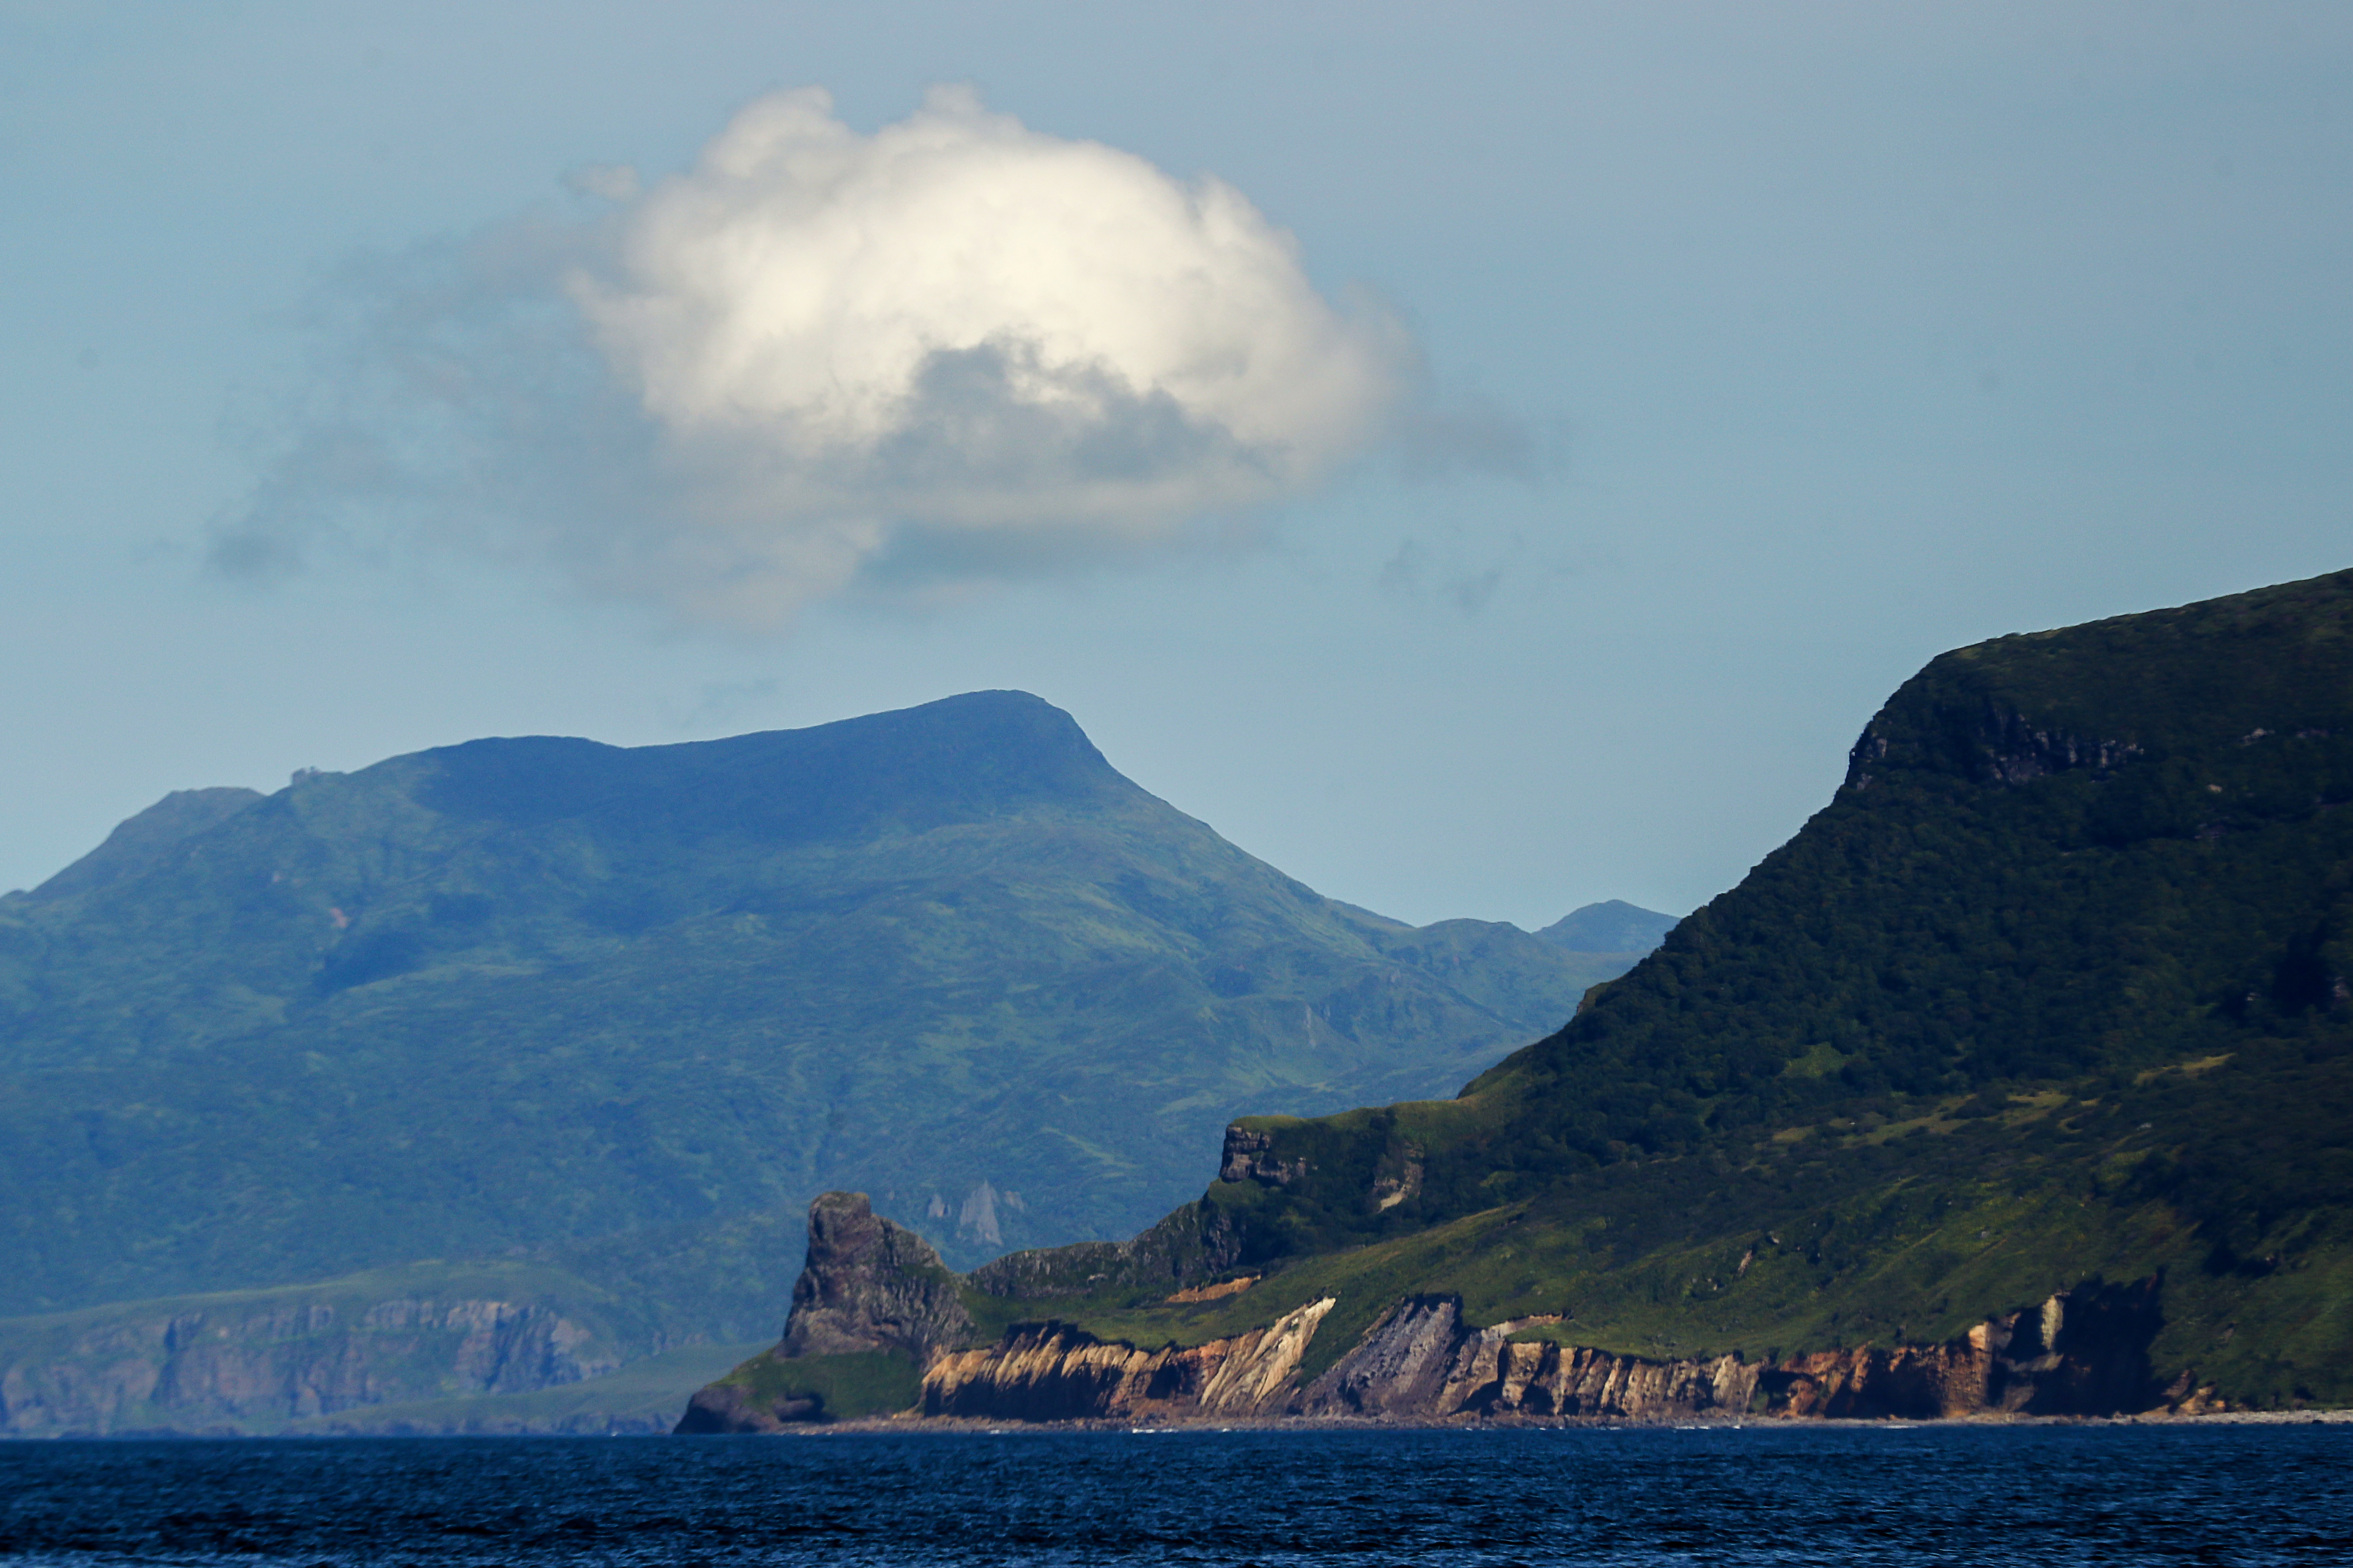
x=1774 y=1494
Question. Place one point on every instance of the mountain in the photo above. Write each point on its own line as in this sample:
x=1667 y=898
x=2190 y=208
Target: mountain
x=1615 y=926
x=141 y=841
x=609 y=1017
x=2018 y=1079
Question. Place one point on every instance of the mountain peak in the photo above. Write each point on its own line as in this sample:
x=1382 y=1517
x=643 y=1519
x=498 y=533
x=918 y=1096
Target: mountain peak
x=1611 y=926
x=980 y=753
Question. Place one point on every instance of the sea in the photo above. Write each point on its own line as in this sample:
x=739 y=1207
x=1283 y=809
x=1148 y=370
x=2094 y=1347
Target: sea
x=1872 y=1494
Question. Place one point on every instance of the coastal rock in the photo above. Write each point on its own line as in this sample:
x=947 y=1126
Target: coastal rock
x=1421 y=1361
x=870 y=1286
x=867 y=1285
x=1570 y=1380
x=2081 y=1353
x=1400 y=1367
x=723 y=1407
x=1052 y=1371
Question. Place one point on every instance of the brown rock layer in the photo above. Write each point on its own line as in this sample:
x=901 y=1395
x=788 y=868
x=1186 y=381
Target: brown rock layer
x=1052 y=1371
x=869 y=1284
x=2081 y=1353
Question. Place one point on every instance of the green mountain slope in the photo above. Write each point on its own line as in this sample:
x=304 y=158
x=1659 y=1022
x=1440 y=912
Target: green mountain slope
x=535 y=996
x=2055 y=990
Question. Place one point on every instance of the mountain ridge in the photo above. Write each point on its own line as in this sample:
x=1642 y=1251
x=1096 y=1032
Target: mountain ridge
x=545 y=995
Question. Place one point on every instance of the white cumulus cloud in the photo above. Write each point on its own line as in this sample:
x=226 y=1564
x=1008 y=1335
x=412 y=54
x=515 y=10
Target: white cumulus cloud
x=820 y=359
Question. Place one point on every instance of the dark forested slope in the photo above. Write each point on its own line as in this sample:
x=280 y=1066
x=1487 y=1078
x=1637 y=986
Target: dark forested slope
x=2054 y=990
x=2099 y=851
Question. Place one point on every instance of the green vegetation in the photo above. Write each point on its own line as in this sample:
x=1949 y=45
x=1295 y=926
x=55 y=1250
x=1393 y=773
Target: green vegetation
x=1881 y=1227
x=646 y=1396
x=2056 y=989
x=623 y=1012
x=844 y=1387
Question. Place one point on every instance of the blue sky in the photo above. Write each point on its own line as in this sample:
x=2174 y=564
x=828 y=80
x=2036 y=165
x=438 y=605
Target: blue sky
x=1739 y=360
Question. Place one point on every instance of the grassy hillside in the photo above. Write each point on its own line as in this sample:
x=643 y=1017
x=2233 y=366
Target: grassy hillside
x=2055 y=988
x=548 y=995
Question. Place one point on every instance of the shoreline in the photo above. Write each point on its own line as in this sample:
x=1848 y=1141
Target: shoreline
x=959 y=1425
x=955 y=1427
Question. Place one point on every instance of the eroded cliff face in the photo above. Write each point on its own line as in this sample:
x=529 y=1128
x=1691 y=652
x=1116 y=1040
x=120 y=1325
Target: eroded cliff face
x=2081 y=1353
x=1052 y=1371
x=869 y=1287
x=233 y=1366
x=1988 y=742
x=867 y=1284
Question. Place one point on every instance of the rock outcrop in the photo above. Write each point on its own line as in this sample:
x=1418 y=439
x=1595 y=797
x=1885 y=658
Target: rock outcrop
x=1052 y=1371
x=735 y=1405
x=871 y=1284
x=866 y=1286
x=870 y=1287
x=1249 y=1156
x=2081 y=1353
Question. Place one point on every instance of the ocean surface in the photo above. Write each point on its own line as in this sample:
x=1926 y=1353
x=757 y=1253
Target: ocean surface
x=1893 y=1494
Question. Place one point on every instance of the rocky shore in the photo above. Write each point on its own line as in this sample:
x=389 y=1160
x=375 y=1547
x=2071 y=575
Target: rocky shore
x=872 y=1288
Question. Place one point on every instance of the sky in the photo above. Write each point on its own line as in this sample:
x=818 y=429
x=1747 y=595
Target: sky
x=1482 y=459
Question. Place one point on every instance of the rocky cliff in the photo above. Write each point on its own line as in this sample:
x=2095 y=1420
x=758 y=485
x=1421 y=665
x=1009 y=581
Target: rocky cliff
x=2057 y=988
x=872 y=1297
x=869 y=1285
x=2081 y=1353
x=873 y=1308
x=1052 y=1371
x=259 y=1361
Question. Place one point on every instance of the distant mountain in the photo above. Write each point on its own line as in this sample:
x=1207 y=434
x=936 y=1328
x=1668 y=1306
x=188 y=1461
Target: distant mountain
x=2017 y=1080
x=1615 y=926
x=596 y=1007
x=141 y=841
